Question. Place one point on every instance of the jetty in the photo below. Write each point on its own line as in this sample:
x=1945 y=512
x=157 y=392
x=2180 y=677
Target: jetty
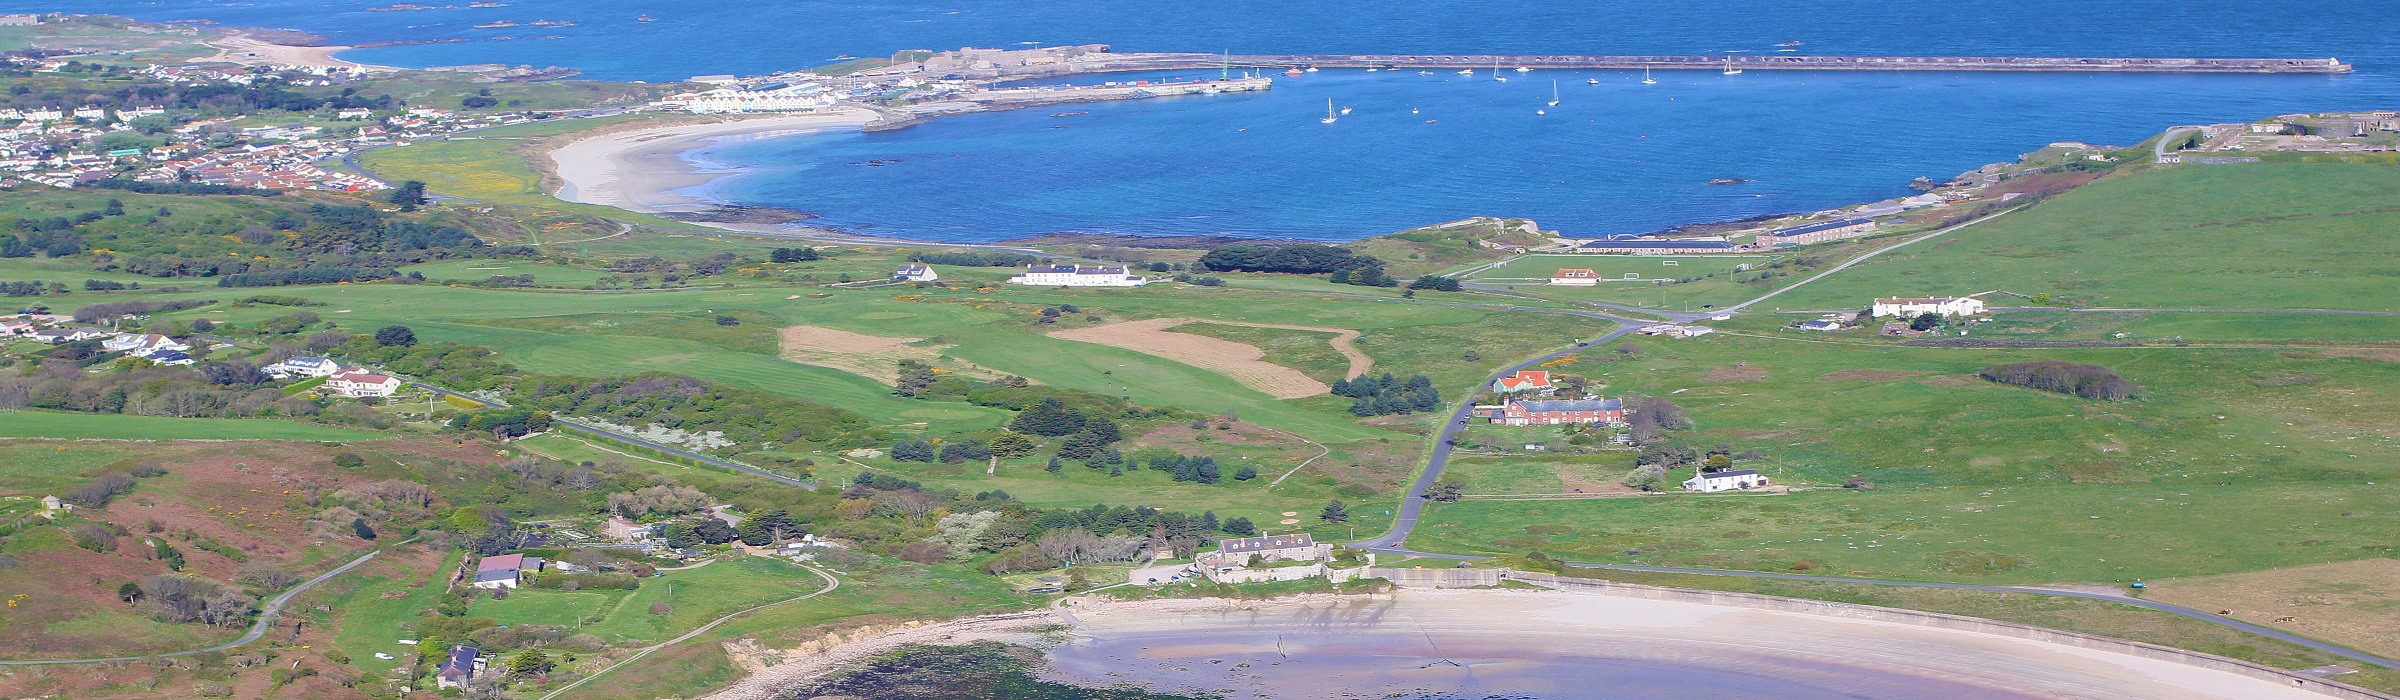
x=2034 y=64
x=1056 y=61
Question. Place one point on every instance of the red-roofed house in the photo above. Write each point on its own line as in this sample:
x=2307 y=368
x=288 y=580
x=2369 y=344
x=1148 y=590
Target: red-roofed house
x=1575 y=277
x=1524 y=380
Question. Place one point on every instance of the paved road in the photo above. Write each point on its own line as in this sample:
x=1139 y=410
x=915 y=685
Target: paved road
x=266 y=620
x=2159 y=152
x=1410 y=503
x=628 y=439
x=1863 y=258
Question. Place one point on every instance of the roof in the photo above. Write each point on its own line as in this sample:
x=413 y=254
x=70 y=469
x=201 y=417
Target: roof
x=503 y=562
x=1815 y=324
x=1261 y=544
x=1916 y=300
x=1565 y=405
x=1575 y=273
x=1728 y=475
x=461 y=662
x=911 y=269
x=1683 y=244
x=1813 y=228
x=1526 y=378
x=304 y=361
x=361 y=377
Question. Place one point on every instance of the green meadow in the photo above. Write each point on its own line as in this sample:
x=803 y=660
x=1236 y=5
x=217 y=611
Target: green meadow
x=2267 y=235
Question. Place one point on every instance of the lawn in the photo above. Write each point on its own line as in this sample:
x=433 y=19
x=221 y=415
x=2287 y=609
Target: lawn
x=109 y=426
x=2293 y=444
x=693 y=596
x=2268 y=235
x=477 y=270
x=380 y=606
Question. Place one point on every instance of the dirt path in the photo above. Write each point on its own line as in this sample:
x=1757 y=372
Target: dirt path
x=1240 y=362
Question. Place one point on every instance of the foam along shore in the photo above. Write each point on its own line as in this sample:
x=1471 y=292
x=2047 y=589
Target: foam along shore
x=645 y=170
x=1549 y=644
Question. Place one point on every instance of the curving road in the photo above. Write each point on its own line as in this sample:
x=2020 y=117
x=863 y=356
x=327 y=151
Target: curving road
x=266 y=620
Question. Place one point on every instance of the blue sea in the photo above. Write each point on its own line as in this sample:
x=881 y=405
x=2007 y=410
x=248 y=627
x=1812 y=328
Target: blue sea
x=1611 y=157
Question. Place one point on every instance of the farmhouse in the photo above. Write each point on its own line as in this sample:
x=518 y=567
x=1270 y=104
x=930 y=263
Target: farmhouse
x=358 y=383
x=463 y=665
x=1575 y=277
x=141 y=345
x=1736 y=480
x=1919 y=306
x=915 y=273
x=1562 y=412
x=1635 y=245
x=1231 y=563
x=504 y=570
x=1816 y=233
x=62 y=336
x=1078 y=276
x=302 y=366
x=1524 y=380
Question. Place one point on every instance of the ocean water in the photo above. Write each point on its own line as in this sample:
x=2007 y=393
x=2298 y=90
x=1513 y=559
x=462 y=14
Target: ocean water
x=1417 y=149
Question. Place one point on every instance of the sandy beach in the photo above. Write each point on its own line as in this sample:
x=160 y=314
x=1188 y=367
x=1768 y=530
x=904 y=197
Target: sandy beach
x=643 y=169
x=1475 y=643
x=249 y=51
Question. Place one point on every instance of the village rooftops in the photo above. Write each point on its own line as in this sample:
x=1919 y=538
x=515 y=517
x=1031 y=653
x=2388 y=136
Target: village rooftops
x=1246 y=545
x=1571 y=405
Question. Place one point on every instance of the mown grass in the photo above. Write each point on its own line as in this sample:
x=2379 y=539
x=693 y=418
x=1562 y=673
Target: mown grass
x=2268 y=235
x=370 y=622
x=80 y=426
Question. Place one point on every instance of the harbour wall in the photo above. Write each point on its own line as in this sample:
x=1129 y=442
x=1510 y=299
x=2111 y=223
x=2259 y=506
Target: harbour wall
x=1100 y=62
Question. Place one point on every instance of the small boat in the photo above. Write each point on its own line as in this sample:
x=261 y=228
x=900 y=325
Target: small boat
x=645 y=18
x=502 y=24
x=1554 y=93
x=1312 y=69
x=1591 y=81
x=1466 y=71
x=1412 y=110
x=1330 y=117
x=1371 y=70
x=1294 y=72
x=1789 y=43
x=1522 y=69
x=1646 y=79
x=1541 y=111
x=1729 y=69
x=1345 y=111
x=1727 y=181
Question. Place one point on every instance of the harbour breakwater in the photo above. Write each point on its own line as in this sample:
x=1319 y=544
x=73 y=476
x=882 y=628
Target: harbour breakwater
x=1056 y=61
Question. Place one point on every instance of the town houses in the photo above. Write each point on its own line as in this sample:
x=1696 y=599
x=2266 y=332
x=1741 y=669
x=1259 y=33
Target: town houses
x=1918 y=306
x=1073 y=275
x=1560 y=412
x=1816 y=233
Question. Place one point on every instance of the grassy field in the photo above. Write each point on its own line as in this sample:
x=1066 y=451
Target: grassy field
x=2287 y=442
x=79 y=426
x=475 y=270
x=491 y=168
x=2269 y=235
x=378 y=606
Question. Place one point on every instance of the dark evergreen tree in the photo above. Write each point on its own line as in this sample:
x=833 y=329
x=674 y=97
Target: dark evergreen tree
x=395 y=336
x=1334 y=513
x=358 y=526
x=1050 y=417
x=1245 y=473
x=1055 y=466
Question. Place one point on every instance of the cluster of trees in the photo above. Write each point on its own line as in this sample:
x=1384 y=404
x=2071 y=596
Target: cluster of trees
x=194 y=188
x=793 y=255
x=361 y=242
x=1086 y=435
x=1369 y=274
x=951 y=452
x=215 y=390
x=1653 y=416
x=173 y=597
x=1386 y=395
x=1436 y=283
x=1201 y=469
x=972 y=258
x=2088 y=381
x=31 y=289
x=1300 y=258
x=99 y=491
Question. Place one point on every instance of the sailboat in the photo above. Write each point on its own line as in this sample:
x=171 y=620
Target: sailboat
x=1729 y=69
x=1330 y=117
x=1646 y=79
x=1496 y=70
x=1553 y=93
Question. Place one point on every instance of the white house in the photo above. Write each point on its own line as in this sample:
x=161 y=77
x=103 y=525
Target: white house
x=504 y=570
x=170 y=357
x=1736 y=480
x=1919 y=306
x=302 y=366
x=1575 y=277
x=14 y=329
x=142 y=345
x=1078 y=276
x=915 y=273
x=61 y=336
x=356 y=383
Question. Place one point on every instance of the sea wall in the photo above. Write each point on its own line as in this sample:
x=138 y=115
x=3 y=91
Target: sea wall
x=1465 y=578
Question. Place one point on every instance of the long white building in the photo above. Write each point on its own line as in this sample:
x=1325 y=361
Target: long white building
x=1078 y=276
x=1919 y=306
x=798 y=98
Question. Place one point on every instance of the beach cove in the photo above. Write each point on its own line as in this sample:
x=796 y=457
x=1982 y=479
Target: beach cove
x=1424 y=643
x=650 y=169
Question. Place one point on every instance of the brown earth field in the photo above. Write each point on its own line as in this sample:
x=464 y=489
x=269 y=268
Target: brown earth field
x=872 y=356
x=1240 y=362
x=2354 y=603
